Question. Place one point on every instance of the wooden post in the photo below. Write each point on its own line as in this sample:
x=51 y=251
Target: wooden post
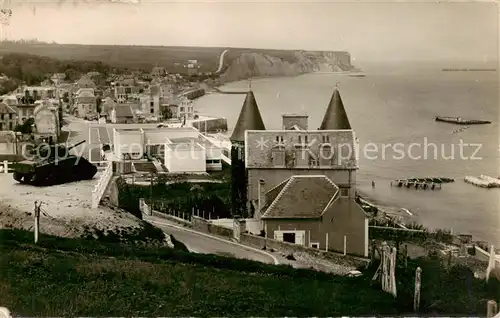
x=416 y=296
x=492 y=309
x=345 y=245
x=405 y=255
x=5 y=166
x=326 y=249
x=37 y=220
x=491 y=262
x=209 y=215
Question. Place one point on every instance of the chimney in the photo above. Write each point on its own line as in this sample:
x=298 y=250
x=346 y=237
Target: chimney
x=291 y=120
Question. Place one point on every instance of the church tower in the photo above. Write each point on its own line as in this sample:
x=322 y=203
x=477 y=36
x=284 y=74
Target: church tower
x=249 y=119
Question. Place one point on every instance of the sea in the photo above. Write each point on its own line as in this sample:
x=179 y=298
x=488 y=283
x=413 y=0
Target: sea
x=392 y=111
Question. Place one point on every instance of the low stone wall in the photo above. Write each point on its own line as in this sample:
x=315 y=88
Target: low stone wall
x=202 y=225
x=289 y=248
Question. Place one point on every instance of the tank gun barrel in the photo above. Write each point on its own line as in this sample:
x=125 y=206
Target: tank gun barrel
x=76 y=145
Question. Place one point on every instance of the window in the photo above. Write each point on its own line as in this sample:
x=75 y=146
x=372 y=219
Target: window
x=278 y=158
x=312 y=160
x=151 y=104
x=300 y=139
x=325 y=139
x=344 y=193
x=315 y=245
x=325 y=155
x=279 y=139
x=301 y=157
x=182 y=109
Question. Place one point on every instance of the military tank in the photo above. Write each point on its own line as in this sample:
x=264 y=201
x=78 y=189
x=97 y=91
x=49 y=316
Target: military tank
x=53 y=164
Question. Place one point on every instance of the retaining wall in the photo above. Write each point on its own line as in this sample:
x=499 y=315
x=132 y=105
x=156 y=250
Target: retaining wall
x=204 y=226
x=101 y=185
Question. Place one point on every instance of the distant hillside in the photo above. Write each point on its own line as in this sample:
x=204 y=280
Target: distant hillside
x=239 y=63
x=33 y=69
x=144 y=57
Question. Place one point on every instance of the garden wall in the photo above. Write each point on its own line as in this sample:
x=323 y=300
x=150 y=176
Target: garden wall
x=204 y=226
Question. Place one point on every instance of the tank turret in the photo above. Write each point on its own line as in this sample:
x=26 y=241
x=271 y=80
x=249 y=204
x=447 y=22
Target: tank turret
x=49 y=164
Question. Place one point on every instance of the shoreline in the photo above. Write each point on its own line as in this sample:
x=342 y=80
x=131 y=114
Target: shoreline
x=366 y=200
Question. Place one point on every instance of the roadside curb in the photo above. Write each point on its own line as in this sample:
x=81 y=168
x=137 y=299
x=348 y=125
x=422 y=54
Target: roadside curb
x=275 y=260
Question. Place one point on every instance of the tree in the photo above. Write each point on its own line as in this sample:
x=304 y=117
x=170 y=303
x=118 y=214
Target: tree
x=26 y=127
x=65 y=97
x=98 y=105
x=166 y=113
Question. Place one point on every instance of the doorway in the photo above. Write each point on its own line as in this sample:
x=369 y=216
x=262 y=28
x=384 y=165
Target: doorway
x=289 y=237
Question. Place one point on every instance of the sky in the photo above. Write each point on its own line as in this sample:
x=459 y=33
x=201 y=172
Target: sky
x=368 y=30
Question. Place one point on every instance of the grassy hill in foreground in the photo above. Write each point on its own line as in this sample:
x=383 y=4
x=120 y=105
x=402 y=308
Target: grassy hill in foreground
x=70 y=277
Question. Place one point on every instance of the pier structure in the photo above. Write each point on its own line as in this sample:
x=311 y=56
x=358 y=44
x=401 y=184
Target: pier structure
x=417 y=184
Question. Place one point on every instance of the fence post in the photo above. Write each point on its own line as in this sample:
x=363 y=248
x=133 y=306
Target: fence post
x=326 y=237
x=416 y=296
x=5 y=166
x=492 y=309
x=345 y=245
x=37 y=220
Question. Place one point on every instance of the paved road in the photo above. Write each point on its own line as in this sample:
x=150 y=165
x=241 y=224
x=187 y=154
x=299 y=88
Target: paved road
x=206 y=244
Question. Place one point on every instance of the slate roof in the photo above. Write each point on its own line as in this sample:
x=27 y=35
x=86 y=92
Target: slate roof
x=6 y=109
x=85 y=82
x=335 y=115
x=302 y=196
x=124 y=111
x=249 y=119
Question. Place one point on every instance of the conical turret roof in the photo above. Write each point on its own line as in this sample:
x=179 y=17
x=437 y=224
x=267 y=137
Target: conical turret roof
x=335 y=116
x=249 y=119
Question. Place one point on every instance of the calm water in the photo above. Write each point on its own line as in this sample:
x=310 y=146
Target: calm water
x=386 y=108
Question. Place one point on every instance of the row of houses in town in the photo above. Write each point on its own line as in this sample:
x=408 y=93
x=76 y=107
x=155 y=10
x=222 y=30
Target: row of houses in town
x=132 y=98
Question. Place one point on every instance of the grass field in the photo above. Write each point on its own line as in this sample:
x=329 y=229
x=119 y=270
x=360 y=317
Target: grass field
x=68 y=277
x=75 y=277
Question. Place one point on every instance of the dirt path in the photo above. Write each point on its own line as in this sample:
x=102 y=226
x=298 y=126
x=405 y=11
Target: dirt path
x=67 y=208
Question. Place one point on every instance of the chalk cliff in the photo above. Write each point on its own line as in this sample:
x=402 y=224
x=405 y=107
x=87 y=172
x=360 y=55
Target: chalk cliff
x=250 y=64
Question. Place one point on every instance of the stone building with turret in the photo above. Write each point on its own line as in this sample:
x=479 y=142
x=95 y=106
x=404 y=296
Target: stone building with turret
x=249 y=119
x=300 y=183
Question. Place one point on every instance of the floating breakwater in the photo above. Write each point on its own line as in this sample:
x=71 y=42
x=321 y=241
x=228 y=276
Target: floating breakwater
x=483 y=181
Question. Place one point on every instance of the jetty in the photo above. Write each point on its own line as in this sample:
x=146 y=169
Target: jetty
x=417 y=183
x=483 y=181
x=461 y=121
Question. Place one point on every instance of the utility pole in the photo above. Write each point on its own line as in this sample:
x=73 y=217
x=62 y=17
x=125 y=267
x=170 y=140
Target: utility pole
x=151 y=192
x=37 y=219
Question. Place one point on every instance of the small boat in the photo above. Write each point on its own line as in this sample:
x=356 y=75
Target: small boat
x=461 y=121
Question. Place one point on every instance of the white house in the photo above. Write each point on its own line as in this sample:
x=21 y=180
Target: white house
x=185 y=157
x=182 y=149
